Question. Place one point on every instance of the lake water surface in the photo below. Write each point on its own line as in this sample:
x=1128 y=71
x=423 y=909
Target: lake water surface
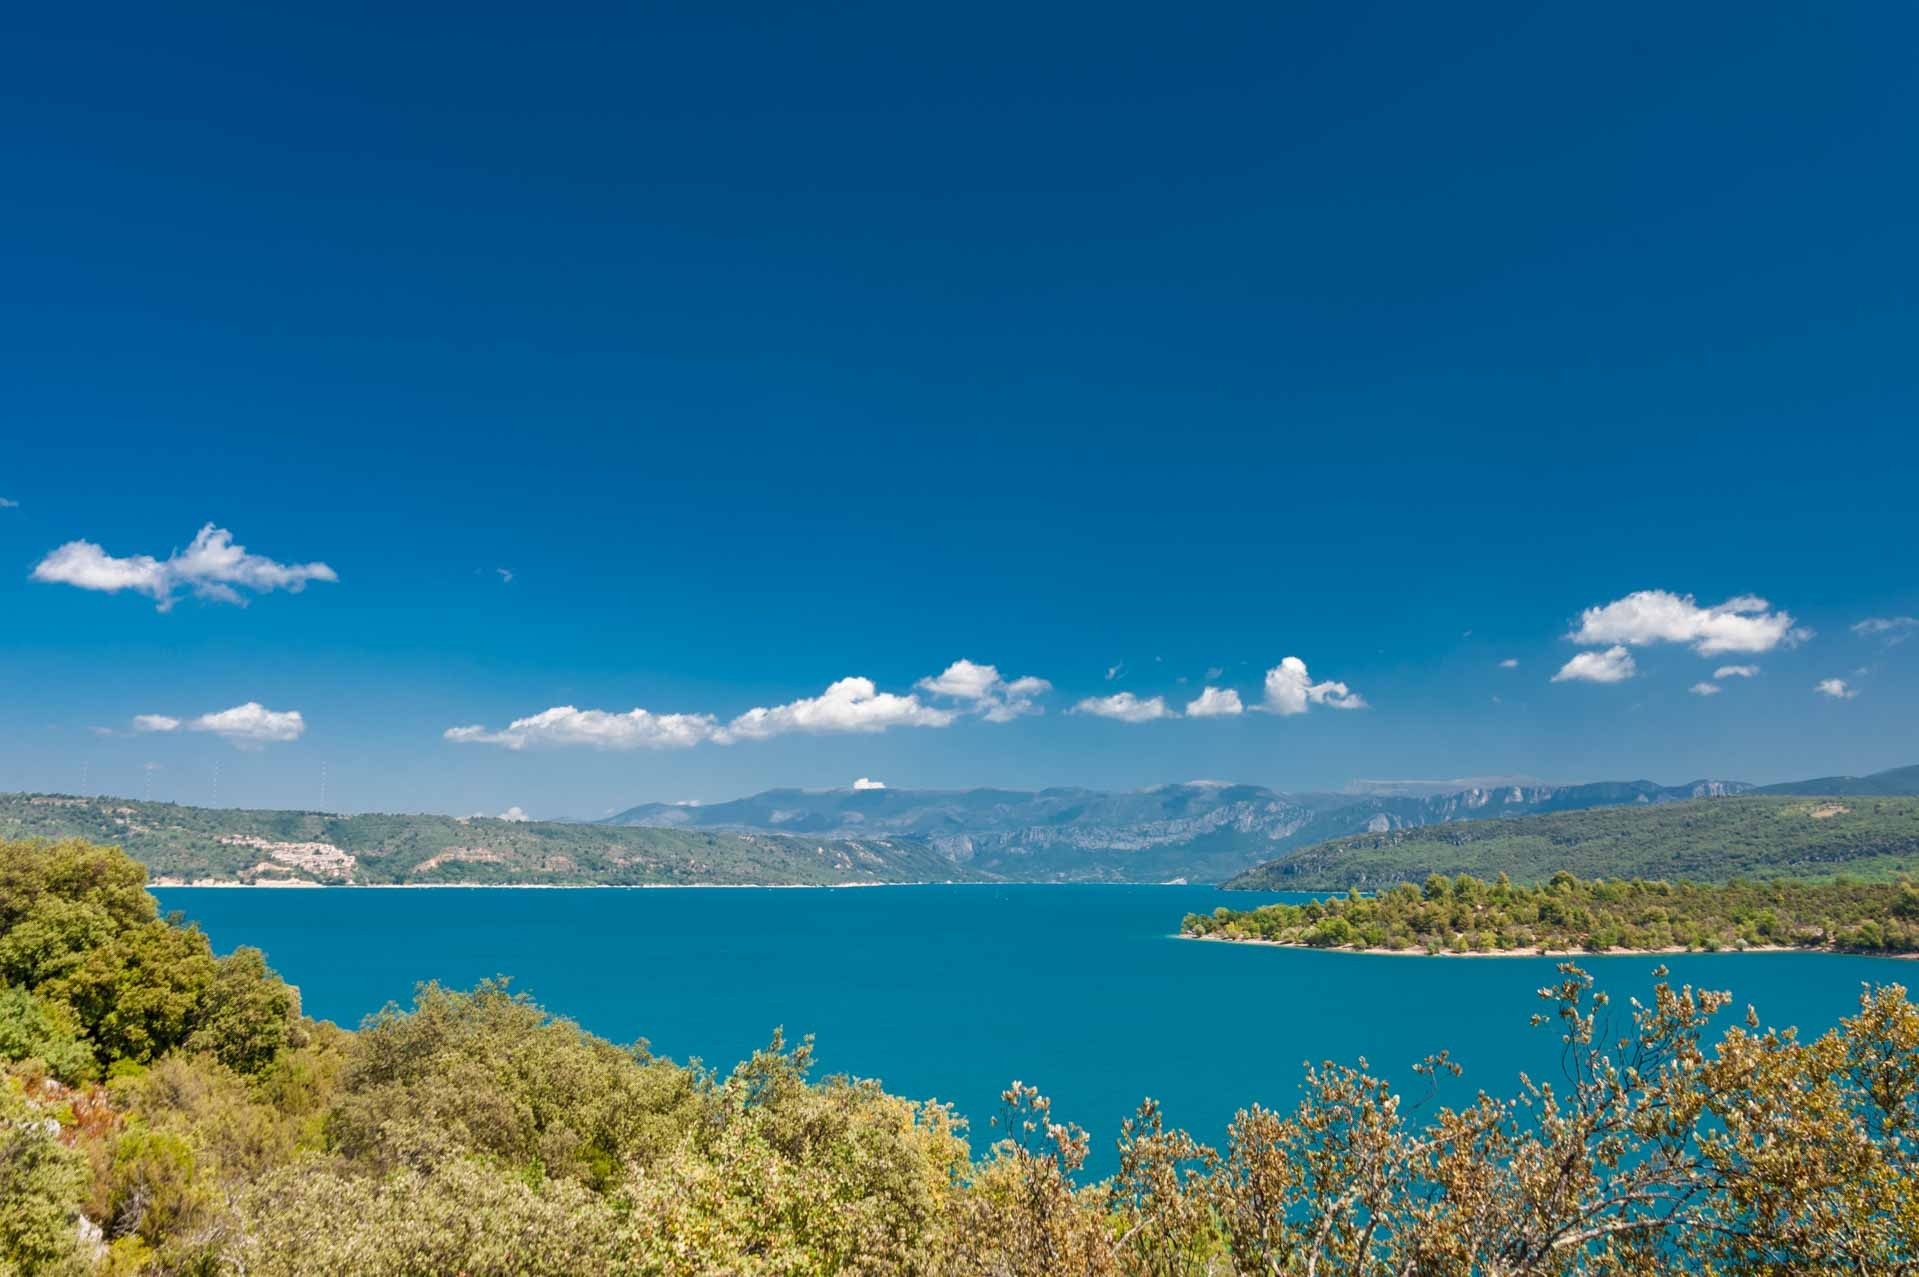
x=954 y=991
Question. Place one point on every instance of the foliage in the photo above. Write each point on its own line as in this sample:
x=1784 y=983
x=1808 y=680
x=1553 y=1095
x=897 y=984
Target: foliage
x=83 y=937
x=1710 y=840
x=43 y=1183
x=35 y=1029
x=489 y=1072
x=475 y=1133
x=1565 y=915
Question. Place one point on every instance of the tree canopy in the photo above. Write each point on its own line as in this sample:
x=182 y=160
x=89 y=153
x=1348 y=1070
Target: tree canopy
x=1566 y=915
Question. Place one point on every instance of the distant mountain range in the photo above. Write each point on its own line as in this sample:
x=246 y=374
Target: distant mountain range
x=1202 y=831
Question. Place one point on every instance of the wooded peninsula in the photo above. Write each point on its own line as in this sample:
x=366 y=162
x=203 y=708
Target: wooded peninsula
x=1565 y=914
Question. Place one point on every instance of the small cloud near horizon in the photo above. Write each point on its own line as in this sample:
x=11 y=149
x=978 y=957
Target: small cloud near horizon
x=1125 y=707
x=1893 y=630
x=1614 y=665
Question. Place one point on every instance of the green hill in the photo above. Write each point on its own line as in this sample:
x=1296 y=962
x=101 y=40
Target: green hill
x=1711 y=840
x=1900 y=780
x=191 y=844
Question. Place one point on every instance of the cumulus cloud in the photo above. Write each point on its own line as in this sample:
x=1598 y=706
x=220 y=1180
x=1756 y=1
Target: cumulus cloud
x=1893 y=629
x=866 y=782
x=155 y=723
x=1510 y=663
x=1215 y=702
x=1614 y=665
x=1743 y=624
x=996 y=699
x=1290 y=690
x=1214 y=671
x=1736 y=671
x=595 y=728
x=251 y=725
x=1836 y=688
x=1125 y=707
x=1114 y=671
x=849 y=705
x=211 y=568
x=1705 y=689
x=7 y=504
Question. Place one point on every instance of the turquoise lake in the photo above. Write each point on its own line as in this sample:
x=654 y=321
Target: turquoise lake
x=952 y=992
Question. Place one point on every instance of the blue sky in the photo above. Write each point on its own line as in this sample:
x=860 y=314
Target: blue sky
x=769 y=348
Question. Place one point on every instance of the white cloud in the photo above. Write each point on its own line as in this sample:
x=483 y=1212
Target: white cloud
x=1214 y=671
x=251 y=725
x=1215 y=702
x=1736 y=671
x=992 y=697
x=867 y=783
x=1742 y=624
x=1893 y=629
x=514 y=814
x=155 y=723
x=1835 y=688
x=1126 y=707
x=1510 y=663
x=596 y=728
x=1290 y=690
x=7 y=504
x=849 y=705
x=1114 y=671
x=1705 y=689
x=506 y=575
x=1614 y=665
x=211 y=568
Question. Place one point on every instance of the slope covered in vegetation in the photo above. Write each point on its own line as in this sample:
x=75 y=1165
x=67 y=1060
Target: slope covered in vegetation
x=1712 y=840
x=167 y=1111
x=189 y=844
x=1465 y=915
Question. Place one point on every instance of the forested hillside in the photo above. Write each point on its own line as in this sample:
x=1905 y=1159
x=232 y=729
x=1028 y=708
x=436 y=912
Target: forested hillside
x=1706 y=841
x=191 y=844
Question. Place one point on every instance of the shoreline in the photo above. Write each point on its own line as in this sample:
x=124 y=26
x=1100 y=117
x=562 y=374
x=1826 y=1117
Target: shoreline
x=1413 y=951
x=172 y=884
x=224 y=884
